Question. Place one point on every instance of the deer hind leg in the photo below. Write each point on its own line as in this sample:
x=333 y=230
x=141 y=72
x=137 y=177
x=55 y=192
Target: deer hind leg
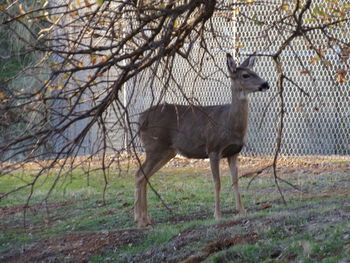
x=232 y=162
x=153 y=162
x=215 y=169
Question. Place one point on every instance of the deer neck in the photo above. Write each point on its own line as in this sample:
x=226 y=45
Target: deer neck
x=239 y=108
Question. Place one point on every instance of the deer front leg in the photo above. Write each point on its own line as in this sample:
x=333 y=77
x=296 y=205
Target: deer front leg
x=215 y=169
x=232 y=161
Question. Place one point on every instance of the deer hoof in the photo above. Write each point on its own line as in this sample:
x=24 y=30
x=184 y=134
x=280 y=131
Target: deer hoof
x=144 y=222
x=242 y=212
x=217 y=215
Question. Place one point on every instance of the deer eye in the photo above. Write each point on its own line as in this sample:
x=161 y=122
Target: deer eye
x=245 y=76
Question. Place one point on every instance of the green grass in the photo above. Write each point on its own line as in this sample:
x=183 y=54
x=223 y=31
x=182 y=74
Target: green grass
x=308 y=229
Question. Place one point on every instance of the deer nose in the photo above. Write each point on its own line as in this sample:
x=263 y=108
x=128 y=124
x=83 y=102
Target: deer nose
x=264 y=86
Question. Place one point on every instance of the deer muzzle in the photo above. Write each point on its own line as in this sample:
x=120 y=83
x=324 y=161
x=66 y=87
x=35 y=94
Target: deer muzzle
x=264 y=86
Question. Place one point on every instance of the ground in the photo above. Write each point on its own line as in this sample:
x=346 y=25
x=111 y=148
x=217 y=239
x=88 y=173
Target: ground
x=75 y=225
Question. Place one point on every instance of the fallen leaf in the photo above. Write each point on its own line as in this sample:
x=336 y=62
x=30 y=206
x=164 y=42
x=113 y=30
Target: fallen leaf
x=125 y=204
x=265 y=206
x=341 y=75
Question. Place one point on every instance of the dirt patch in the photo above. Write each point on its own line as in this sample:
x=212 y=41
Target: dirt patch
x=230 y=224
x=182 y=248
x=221 y=244
x=227 y=242
x=315 y=164
x=249 y=166
x=77 y=247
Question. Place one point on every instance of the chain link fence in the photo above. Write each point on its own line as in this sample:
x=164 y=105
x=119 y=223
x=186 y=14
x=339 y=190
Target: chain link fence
x=317 y=108
x=316 y=105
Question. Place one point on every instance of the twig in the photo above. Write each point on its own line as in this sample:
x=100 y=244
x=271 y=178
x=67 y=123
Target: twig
x=255 y=174
x=280 y=128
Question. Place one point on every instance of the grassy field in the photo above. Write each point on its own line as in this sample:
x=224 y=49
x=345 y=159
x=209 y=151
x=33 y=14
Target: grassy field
x=74 y=224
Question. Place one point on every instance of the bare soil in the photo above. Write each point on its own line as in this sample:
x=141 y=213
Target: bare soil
x=76 y=247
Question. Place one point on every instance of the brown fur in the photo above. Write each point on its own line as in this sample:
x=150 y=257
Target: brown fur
x=197 y=132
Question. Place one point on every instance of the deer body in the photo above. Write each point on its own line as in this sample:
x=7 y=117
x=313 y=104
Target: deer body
x=196 y=128
x=213 y=132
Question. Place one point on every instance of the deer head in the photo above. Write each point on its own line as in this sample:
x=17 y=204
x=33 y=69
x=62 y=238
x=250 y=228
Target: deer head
x=243 y=78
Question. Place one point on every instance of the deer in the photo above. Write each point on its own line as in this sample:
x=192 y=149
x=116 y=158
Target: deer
x=199 y=132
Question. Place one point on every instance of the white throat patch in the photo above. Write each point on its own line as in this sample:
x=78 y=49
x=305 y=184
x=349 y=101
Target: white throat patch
x=243 y=95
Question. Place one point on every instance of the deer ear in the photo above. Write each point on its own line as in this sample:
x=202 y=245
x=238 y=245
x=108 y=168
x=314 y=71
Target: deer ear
x=249 y=62
x=231 y=64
